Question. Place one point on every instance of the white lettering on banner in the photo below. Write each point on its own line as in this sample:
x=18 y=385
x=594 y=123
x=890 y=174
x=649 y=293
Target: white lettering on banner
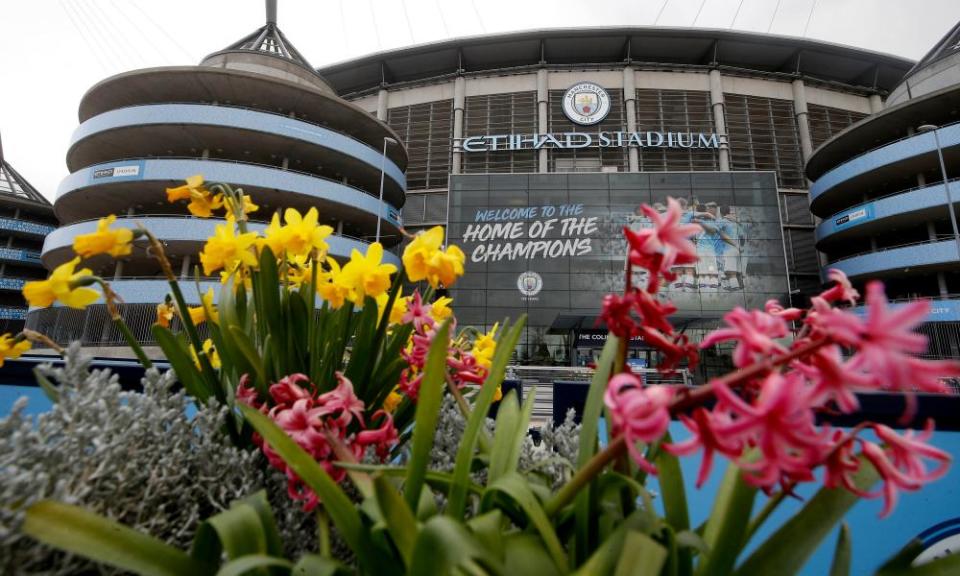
x=569 y=140
x=522 y=233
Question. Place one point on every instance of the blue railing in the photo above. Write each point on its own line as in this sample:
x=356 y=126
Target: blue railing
x=22 y=255
x=12 y=283
x=26 y=226
x=13 y=313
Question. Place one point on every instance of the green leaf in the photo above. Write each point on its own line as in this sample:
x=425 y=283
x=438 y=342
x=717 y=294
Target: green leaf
x=725 y=533
x=516 y=491
x=444 y=545
x=314 y=565
x=341 y=509
x=249 y=352
x=181 y=362
x=641 y=556
x=605 y=558
x=508 y=418
x=789 y=548
x=428 y=412
x=674 y=495
x=245 y=564
x=400 y=520
x=525 y=554
x=586 y=528
x=488 y=529
x=842 y=553
x=86 y=534
x=457 y=497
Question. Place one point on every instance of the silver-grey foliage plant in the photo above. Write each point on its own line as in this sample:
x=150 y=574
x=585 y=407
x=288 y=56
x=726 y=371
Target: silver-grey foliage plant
x=134 y=457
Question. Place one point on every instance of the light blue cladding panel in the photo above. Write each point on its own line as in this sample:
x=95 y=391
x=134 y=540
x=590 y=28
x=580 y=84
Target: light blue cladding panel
x=18 y=255
x=927 y=254
x=885 y=155
x=165 y=171
x=191 y=229
x=240 y=118
x=25 y=226
x=890 y=207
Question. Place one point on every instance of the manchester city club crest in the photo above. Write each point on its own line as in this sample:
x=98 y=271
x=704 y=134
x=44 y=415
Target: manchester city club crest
x=529 y=283
x=586 y=103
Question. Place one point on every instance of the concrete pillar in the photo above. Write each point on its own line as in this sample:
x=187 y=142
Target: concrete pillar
x=803 y=119
x=118 y=270
x=719 y=118
x=339 y=227
x=629 y=100
x=459 y=101
x=942 y=284
x=285 y=163
x=543 y=124
x=185 y=267
x=205 y=154
x=876 y=103
x=383 y=101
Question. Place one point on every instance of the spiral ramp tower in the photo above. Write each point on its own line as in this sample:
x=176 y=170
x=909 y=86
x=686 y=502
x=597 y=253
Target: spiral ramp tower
x=887 y=193
x=255 y=115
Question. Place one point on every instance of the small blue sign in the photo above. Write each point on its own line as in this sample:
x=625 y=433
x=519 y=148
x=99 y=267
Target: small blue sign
x=857 y=215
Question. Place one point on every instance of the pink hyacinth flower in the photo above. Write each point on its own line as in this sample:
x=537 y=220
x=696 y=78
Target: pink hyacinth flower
x=755 y=333
x=900 y=462
x=780 y=423
x=701 y=424
x=342 y=402
x=288 y=390
x=842 y=291
x=382 y=438
x=775 y=308
x=666 y=244
x=640 y=414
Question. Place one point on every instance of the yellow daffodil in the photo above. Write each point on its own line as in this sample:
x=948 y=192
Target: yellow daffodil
x=193 y=186
x=399 y=309
x=65 y=284
x=330 y=287
x=226 y=249
x=11 y=349
x=242 y=277
x=392 y=401
x=498 y=394
x=299 y=270
x=104 y=241
x=423 y=259
x=299 y=236
x=211 y=352
x=440 y=309
x=484 y=347
x=165 y=311
x=203 y=205
x=248 y=206
x=207 y=310
x=364 y=275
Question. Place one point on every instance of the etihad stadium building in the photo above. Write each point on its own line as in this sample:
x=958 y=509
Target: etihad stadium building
x=538 y=147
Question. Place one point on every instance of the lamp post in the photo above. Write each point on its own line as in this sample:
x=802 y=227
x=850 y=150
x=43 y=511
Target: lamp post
x=946 y=182
x=383 y=165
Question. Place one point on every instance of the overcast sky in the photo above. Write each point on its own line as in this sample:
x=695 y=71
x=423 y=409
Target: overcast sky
x=52 y=51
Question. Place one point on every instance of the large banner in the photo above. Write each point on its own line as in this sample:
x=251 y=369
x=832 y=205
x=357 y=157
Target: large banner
x=552 y=245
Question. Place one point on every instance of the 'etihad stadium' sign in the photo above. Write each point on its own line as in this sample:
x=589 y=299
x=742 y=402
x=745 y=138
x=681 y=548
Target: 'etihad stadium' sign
x=565 y=140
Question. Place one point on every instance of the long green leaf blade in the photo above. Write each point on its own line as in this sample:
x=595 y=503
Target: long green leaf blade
x=457 y=498
x=726 y=530
x=508 y=418
x=400 y=520
x=641 y=556
x=675 y=503
x=86 y=534
x=842 y=553
x=245 y=564
x=428 y=412
x=789 y=548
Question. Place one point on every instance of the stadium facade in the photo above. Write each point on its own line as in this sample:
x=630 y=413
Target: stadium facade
x=26 y=217
x=595 y=121
x=887 y=189
x=255 y=115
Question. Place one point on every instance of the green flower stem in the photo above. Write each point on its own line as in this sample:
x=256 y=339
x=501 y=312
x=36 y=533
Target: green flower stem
x=323 y=531
x=585 y=475
x=465 y=410
x=764 y=513
x=134 y=345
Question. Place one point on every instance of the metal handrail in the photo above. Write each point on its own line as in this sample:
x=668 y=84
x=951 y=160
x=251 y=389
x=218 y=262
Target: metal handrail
x=891 y=194
x=242 y=162
x=938 y=238
x=884 y=145
x=238 y=107
x=190 y=217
